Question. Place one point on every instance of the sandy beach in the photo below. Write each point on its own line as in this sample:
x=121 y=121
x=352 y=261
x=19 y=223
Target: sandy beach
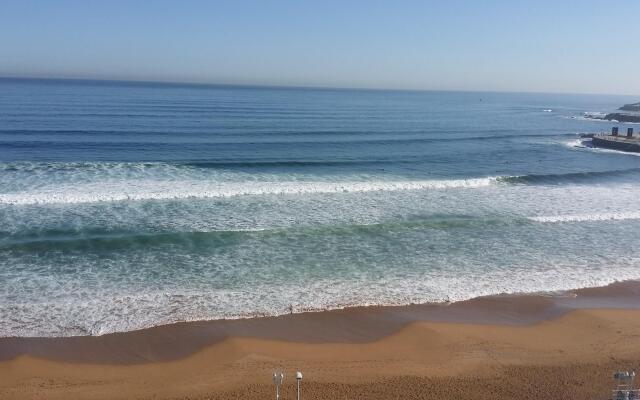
x=528 y=346
x=364 y=200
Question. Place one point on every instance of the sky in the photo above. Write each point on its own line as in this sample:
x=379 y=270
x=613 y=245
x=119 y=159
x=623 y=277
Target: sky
x=499 y=45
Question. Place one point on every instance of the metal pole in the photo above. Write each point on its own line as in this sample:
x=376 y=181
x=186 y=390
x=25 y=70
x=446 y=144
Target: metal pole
x=277 y=380
x=275 y=383
x=298 y=379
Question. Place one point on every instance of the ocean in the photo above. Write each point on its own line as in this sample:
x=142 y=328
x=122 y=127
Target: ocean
x=130 y=205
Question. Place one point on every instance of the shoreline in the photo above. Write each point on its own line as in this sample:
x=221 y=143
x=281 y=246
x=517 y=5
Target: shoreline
x=524 y=346
x=352 y=325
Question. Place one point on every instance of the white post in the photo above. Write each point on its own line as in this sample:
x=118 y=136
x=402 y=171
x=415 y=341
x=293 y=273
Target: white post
x=277 y=380
x=298 y=379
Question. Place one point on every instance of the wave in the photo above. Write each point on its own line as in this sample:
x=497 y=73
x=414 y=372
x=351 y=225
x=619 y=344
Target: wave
x=619 y=216
x=125 y=311
x=580 y=143
x=66 y=138
x=104 y=239
x=107 y=239
x=171 y=190
x=571 y=177
x=287 y=163
x=113 y=242
x=586 y=144
x=594 y=114
x=140 y=182
x=598 y=119
x=92 y=238
x=30 y=166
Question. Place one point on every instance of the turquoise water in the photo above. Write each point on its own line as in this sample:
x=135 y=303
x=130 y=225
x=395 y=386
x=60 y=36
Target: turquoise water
x=125 y=206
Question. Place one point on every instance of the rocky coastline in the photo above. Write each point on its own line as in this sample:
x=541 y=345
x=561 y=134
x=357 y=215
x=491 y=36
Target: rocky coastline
x=632 y=114
x=635 y=107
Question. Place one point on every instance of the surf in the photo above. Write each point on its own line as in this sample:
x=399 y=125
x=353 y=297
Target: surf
x=168 y=190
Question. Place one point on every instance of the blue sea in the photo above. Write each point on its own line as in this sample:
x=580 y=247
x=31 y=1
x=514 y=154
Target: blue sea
x=130 y=205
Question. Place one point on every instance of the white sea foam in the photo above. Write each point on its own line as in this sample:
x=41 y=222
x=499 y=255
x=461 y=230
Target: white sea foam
x=615 y=216
x=594 y=114
x=107 y=313
x=576 y=143
x=170 y=190
x=145 y=283
x=590 y=116
x=584 y=144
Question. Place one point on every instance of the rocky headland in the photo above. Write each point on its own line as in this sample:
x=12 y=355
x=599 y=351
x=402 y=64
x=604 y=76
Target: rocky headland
x=631 y=107
x=632 y=114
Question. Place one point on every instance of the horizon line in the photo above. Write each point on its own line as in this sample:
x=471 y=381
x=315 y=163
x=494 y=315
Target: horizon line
x=275 y=86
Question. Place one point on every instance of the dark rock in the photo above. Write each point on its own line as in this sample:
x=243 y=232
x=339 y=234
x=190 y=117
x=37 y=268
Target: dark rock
x=631 y=107
x=622 y=117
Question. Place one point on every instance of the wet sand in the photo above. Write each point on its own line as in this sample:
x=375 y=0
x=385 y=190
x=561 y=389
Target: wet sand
x=527 y=346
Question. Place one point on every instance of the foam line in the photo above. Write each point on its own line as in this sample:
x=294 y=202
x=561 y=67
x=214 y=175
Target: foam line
x=168 y=190
x=587 y=217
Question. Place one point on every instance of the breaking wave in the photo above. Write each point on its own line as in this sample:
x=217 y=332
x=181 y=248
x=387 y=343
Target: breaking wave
x=32 y=184
x=615 y=216
x=573 y=177
x=168 y=190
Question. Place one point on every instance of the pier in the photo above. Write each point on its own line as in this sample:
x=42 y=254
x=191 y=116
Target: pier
x=629 y=142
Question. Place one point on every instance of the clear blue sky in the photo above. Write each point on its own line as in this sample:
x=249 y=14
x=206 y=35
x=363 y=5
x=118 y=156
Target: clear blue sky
x=553 y=46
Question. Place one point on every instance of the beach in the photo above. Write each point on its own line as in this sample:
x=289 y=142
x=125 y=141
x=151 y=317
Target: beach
x=125 y=206
x=163 y=241
x=527 y=346
x=246 y=200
